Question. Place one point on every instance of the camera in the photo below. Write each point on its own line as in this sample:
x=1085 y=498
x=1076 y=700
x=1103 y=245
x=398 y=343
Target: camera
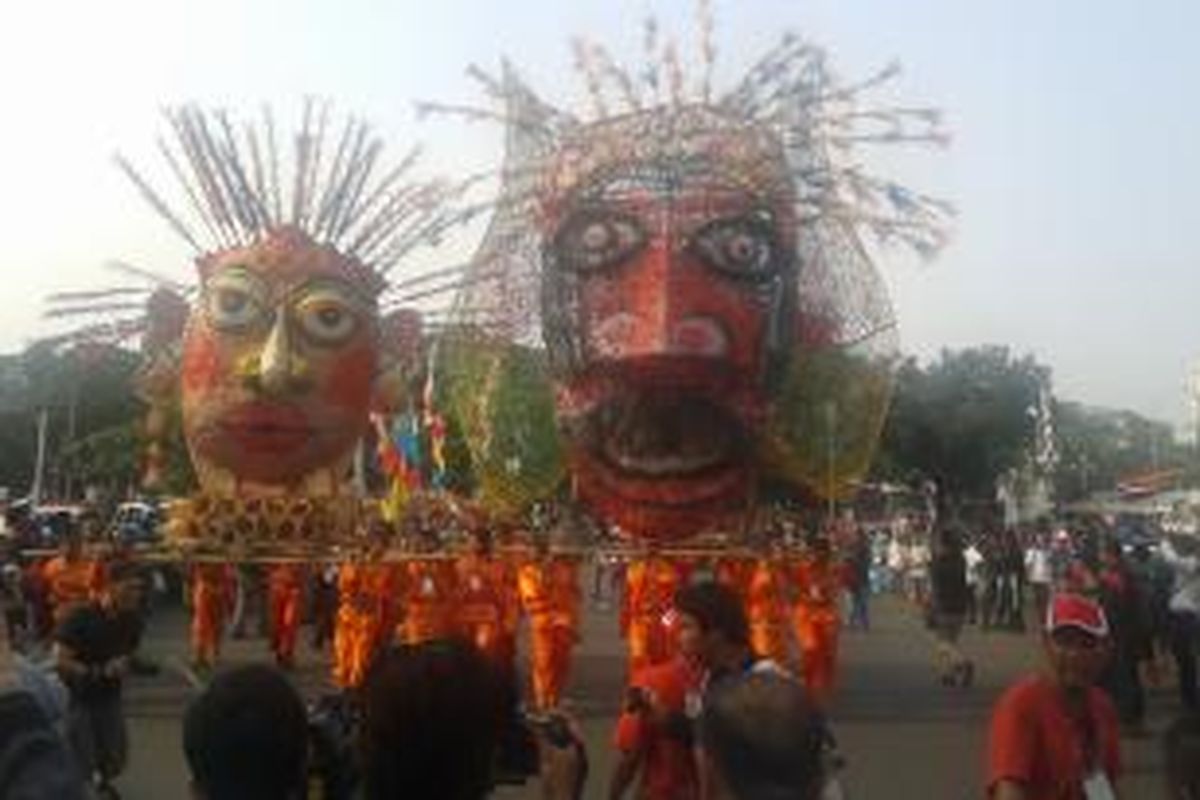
x=518 y=758
x=637 y=700
x=553 y=729
x=675 y=725
x=335 y=772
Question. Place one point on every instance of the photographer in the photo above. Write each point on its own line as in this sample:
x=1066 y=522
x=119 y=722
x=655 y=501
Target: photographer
x=434 y=717
x=92 y=648
x=35 y=762
x=246 y=738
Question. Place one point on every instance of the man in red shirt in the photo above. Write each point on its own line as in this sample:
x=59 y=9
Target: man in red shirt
x=1054 y=736
x=654 y=736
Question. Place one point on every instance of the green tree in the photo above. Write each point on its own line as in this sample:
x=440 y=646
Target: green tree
x=962 y=421
x=1100 y=447
x=83 y=391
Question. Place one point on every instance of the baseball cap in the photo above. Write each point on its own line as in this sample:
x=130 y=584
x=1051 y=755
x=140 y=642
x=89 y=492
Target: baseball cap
x=1075 y=611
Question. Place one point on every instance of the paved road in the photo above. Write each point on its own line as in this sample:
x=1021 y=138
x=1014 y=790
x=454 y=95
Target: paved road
x=903 y=734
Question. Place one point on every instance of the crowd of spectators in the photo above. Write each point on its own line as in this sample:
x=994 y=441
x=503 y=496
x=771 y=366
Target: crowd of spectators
x=431 y=720
x=436 y=720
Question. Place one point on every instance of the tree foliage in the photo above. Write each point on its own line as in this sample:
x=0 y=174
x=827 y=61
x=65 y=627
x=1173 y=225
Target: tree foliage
x=87 y=395
x=967 y=418
x=1099 y=448
x=962 y=421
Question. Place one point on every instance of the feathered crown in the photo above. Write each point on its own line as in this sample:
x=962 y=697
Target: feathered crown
x=236 y=183
x=790 y=98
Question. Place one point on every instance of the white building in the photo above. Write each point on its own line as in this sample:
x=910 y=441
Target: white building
x=1191 y=425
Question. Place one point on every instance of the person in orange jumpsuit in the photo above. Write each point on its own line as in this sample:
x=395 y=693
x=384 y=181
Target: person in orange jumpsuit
x=481 y=600
x=71 y=577
x=356 y=627
x=212 y=600
x=428 y=595
x=650 y=587
x=548 y=587
x=766 y=610
x=818 y=585
x=366 y=609
x=284 y=593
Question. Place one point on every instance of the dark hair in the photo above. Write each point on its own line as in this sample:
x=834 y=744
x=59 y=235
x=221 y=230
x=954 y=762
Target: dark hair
x=432 y=720
x=950 y=539
x=715 y=608
x=246 y=737
x=764 y=737
x=1181 y=748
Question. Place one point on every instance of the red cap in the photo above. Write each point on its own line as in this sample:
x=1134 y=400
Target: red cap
x=1076 y=611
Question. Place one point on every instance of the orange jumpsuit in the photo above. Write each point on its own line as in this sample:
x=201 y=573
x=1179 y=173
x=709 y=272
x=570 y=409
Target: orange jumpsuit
x=650 y=587
x=482 y=592
x=212 y=601
x=815 y=617
x=428 y=599
x=284 y=583
x=549 y=593
x=356 y=629
x=766 y=611
x=72 y=582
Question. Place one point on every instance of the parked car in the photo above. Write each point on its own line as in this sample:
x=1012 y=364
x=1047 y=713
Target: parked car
x=50 y=523
x=136 y=523
x=1132 y=532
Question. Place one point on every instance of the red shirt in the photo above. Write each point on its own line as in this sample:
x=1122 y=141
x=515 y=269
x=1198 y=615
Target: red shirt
x=668 y=767
x=1035 y=742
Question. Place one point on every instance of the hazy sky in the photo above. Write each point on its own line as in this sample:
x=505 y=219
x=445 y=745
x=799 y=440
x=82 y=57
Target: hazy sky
x=1073 y=165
